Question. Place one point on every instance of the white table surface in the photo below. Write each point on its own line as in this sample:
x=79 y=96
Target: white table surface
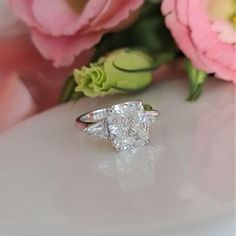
x=56 y=181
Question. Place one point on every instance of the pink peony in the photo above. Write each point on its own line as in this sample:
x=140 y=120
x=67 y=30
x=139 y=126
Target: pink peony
x=205 y=31
x=62 y=29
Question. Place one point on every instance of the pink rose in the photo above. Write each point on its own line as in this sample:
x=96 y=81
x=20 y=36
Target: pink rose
x=204 y=31
x=62 y=29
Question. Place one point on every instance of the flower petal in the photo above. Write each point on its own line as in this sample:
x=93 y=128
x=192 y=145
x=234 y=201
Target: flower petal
x=16 y=103
x=62 y=50
x=114 y=12
x=23 y=9
x=63 y=20
x=41 y=78
x=225 y=30
x=180 y=33
x=181 y=11
x=10 y=25
x=206 y=39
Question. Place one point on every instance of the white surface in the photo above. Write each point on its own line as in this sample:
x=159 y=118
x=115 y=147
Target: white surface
x=56 y=181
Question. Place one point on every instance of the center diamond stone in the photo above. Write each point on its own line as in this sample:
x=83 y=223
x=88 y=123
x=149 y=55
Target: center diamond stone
x=127 y=125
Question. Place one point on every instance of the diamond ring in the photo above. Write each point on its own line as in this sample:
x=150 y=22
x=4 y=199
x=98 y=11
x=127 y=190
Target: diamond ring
x=126 y=125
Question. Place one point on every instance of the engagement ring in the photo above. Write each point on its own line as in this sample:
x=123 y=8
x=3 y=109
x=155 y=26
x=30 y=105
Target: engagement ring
x=126 y=124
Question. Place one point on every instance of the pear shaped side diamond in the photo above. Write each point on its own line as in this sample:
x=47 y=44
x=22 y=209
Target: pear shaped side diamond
x=98 y=129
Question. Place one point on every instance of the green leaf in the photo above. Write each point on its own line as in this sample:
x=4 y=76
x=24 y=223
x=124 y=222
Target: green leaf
x=196 y=78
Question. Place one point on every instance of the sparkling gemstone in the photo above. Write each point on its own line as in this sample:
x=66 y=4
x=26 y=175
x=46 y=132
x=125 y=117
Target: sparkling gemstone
x=128 y=126
x=98 y=129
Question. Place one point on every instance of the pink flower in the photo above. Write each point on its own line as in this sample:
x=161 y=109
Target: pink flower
x=204 y=31
x=62 y=29
x=28 y=82
x=16 y=102
x=9 y=24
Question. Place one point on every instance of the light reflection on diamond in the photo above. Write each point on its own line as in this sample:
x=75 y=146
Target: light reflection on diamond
x=98 y=129
x=126 y=126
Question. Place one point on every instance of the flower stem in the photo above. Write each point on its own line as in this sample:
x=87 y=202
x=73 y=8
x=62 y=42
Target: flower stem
x=197 y=79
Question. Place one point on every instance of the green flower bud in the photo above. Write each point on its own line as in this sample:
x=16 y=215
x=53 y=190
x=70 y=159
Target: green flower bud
x=121 y=71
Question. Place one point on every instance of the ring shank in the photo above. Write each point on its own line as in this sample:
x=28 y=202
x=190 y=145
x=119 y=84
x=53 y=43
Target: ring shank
x=92 y=116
